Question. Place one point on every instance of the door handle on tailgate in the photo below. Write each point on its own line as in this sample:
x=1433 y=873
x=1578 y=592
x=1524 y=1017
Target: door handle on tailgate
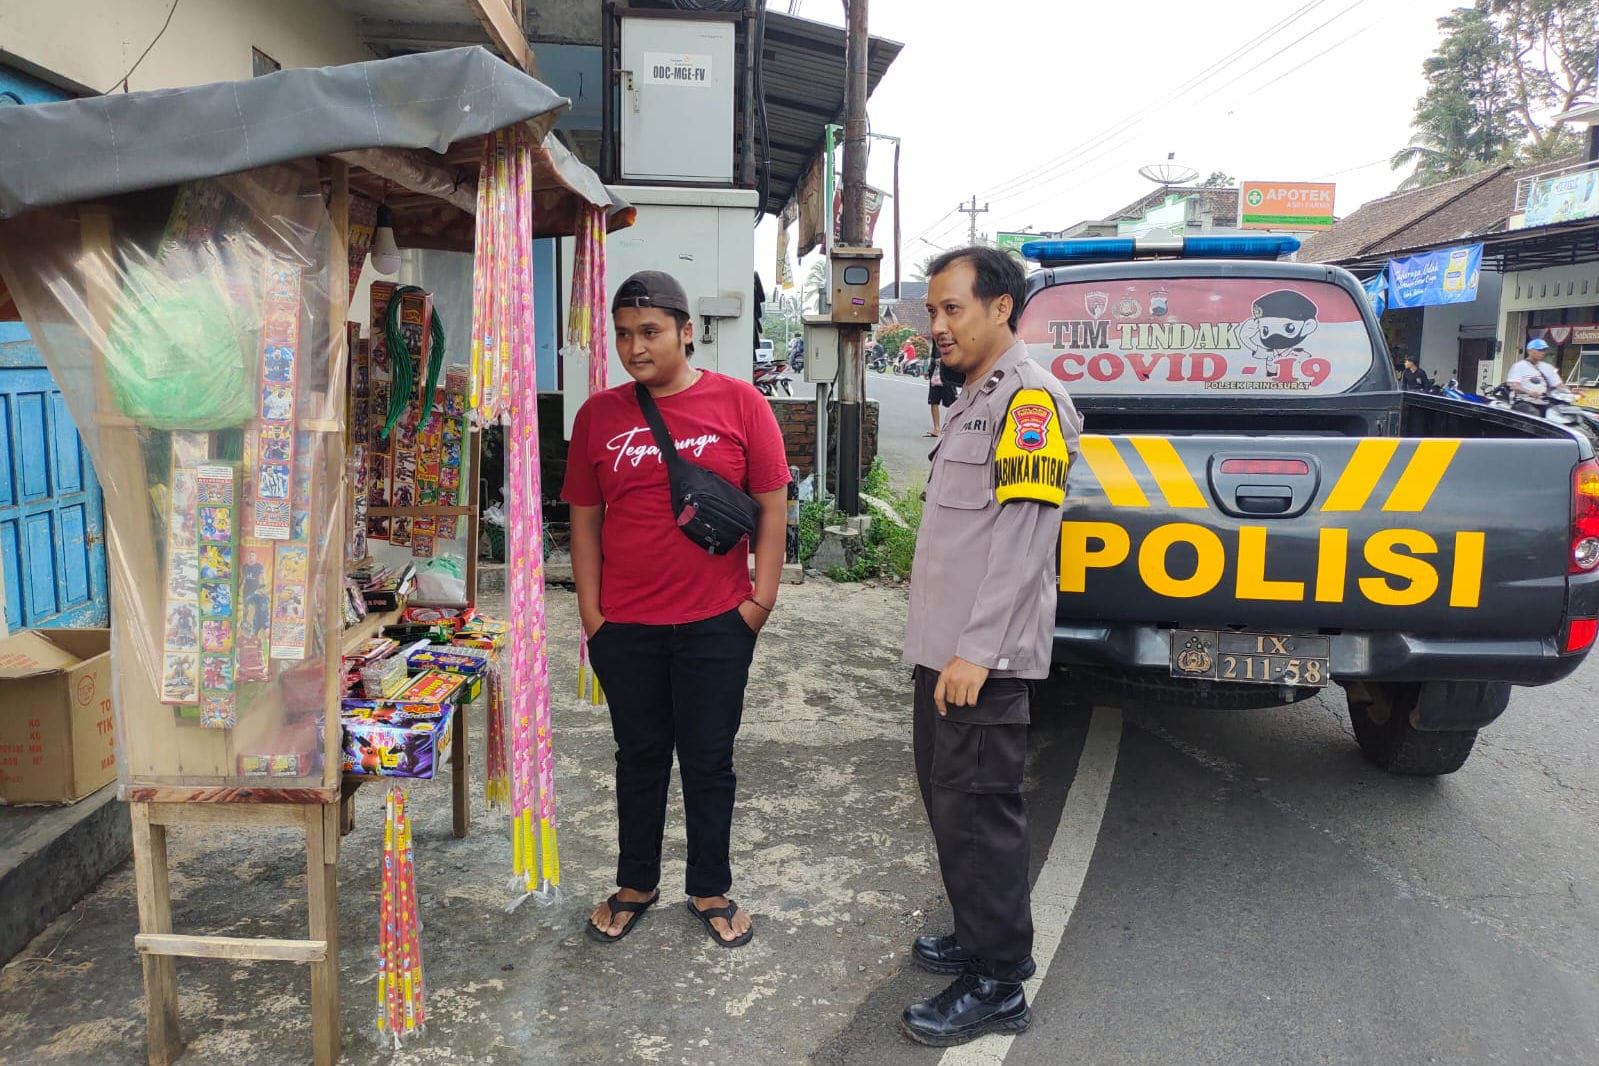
x=1264 y=499
x=1239 y=485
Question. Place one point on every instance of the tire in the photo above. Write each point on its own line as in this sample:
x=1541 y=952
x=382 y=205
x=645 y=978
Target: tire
x=1382 y=718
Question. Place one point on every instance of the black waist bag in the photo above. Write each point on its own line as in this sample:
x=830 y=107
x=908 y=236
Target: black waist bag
x=710 y=510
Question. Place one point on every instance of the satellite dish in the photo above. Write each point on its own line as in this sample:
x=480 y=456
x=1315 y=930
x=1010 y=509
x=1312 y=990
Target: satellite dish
x=1170 y=172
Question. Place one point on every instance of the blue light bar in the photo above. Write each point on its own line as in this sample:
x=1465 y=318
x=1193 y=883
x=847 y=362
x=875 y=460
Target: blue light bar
x=1122 y=249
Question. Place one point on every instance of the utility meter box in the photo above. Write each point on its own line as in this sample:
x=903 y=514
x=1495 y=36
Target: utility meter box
x=855 y=285
x=677 y=81
x=821 y=350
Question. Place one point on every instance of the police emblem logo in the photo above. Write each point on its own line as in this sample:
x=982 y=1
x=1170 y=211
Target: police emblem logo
x=1129 y=308
x=1096 y=303
x=1031 y=422
x=1194 y=659
x=1157 y=302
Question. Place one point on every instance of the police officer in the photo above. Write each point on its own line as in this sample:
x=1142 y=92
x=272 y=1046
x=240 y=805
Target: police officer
x=982 y=609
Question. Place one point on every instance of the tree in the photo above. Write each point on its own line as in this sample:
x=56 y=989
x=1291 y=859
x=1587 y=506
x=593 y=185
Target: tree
x=920 y=271
x=1218 y=180
x=1463 y=121
x=1502 y=73
x=1552 y=43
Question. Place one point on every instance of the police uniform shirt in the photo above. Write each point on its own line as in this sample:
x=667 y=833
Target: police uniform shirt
x=983 y=581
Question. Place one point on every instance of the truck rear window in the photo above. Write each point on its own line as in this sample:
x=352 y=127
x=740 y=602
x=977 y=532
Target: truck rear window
x=1198 y=336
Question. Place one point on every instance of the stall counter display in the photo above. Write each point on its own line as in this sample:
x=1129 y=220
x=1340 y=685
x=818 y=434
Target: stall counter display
x=225 y=575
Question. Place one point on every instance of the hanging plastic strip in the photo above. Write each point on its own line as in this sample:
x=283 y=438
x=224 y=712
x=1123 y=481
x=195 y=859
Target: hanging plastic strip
x=536 y=863
x=585 y=338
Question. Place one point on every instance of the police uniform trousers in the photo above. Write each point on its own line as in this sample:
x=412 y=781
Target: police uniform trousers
x=969 y=764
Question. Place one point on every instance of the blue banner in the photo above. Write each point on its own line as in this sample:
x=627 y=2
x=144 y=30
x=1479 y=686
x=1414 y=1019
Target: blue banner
x=1377 y=293
x=1443 y=277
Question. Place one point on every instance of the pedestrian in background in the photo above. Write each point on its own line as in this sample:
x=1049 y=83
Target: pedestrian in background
x=941 y=392
x=671 y=627
x=1414 y=377
x=979 y=634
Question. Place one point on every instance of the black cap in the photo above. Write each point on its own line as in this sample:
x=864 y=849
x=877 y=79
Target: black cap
x=651 y=288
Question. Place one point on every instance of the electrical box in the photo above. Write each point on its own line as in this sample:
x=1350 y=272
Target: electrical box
x=676 y=84
x=855 y=285
x=821 y=350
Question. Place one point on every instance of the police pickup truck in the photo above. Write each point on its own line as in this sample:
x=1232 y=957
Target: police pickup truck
x=1258 y=513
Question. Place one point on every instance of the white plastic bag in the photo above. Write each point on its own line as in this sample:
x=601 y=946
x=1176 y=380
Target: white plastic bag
x=441 y=582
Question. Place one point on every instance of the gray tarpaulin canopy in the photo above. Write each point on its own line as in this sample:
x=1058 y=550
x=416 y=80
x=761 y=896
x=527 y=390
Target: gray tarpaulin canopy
x=413 y=123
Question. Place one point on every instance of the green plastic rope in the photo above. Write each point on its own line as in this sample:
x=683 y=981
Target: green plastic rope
x=404 y=362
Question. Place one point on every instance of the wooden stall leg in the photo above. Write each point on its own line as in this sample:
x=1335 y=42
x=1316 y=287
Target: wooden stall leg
x=461 y=785
x=322 y=892
x=347 y=790
x=154 y=891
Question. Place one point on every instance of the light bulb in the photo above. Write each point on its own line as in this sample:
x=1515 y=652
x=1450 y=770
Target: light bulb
x=385 y=253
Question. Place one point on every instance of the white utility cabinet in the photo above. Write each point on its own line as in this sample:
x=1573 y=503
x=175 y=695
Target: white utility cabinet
x=677 y=80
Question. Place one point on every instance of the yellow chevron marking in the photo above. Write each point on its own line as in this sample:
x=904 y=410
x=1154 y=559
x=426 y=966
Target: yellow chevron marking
x=1176 y=483
x=1359 y=479
x=1422 y=475
x=1121 y=487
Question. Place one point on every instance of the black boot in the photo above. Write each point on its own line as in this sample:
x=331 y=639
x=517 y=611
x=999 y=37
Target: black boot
x=967 y=1009
x=944 y=954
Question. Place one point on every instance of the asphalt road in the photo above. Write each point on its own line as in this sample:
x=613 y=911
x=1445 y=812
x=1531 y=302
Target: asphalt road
x=1258 y=894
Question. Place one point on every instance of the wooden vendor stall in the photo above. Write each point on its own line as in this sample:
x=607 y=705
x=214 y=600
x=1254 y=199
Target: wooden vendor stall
x=190 y=288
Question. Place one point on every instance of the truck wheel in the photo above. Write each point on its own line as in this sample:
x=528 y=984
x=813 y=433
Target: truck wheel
x=1381 y=715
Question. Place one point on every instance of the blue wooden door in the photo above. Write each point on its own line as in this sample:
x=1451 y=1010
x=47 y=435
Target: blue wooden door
x=52 y=539
x=52 y=536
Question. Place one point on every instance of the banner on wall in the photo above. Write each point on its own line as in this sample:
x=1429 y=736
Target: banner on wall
x=1448 y=276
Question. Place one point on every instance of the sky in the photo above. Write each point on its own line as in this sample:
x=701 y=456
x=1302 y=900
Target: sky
x=1045 y=109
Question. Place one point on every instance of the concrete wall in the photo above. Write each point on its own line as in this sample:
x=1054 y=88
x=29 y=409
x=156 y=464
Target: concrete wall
x=1440 y=331
x=88 y=45
x=796 y=417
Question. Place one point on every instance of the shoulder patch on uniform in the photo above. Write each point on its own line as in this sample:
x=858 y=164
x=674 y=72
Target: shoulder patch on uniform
x=1031 y=458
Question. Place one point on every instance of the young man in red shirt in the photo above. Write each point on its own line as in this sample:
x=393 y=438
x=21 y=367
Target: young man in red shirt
x=671 y=627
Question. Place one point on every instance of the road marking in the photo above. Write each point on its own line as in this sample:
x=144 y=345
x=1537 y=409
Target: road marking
x=1061 y=880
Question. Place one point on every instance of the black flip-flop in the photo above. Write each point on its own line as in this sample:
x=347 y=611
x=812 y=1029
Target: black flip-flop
x=620 y=906
x=726 y=914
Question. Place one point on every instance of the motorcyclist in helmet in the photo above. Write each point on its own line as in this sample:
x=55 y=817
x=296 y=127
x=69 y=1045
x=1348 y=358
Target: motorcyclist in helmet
x=1531 y=379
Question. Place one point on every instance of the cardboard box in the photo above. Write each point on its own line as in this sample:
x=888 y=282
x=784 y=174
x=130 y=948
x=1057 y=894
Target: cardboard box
x=56 y=730
x=416 y=749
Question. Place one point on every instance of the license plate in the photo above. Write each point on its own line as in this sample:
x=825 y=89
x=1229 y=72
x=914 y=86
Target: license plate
x=1251 y=658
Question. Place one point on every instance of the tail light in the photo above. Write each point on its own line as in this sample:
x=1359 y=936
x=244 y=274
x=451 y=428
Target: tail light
x=1580 y=633
x=1584 y=517
x=1266 y=467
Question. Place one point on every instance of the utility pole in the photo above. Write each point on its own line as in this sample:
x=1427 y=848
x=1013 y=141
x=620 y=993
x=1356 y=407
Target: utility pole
x=852 y=339
x=973 y=211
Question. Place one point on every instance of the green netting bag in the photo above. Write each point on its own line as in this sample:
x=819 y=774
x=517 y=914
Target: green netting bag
x=176 y=355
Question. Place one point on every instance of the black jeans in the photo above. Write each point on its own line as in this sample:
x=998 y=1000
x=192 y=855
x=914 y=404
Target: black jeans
x=970 y=764
x=677 y=686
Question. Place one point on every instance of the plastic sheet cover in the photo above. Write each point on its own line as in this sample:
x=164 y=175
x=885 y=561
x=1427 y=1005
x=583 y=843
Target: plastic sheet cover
x=197 y=334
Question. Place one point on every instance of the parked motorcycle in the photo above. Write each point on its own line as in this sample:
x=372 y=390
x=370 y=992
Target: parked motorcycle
x=772 y=378
x=878 y=363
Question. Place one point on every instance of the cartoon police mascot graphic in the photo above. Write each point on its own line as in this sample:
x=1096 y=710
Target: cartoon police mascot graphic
x=1280 y=323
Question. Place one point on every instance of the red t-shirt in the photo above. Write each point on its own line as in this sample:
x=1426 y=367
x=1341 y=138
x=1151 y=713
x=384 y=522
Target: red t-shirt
x=650 y=572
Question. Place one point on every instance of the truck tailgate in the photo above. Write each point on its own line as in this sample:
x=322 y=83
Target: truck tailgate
x=1307 y=534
